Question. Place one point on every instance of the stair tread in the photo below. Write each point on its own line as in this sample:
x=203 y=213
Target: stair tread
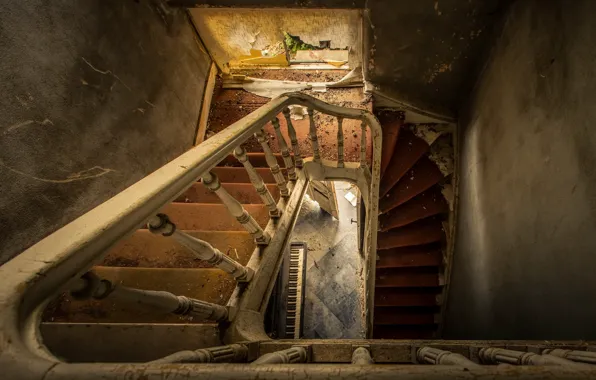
x=392 y=122
x=244 y=193
x=430 y=202
x=406 y=296
x=257 y=160
x=407 y=277
x=408 y=150
x=405 y=315
x=210 y=285
x=125 y=342
x=239 y=175
x=403 y=331
x=212 y=217
x=421 y=232
x=148 y=250
x=421 y=177
x=412 y=256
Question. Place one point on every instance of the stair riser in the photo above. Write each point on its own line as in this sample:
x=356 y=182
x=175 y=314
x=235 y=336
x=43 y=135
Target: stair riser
x=148 y=250
x=125 y=343
x=422 y=177
x=408 y=150
x=244 y=193
x=211 y=217
x=210 y=285
x=239 y=175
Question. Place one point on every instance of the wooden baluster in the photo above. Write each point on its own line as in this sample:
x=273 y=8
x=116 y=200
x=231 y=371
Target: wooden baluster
x=588 y=357
x=293 y=138
x=435 y=356
x=233 y=353
x=272 y=162
x=258 y=183
x=361 y=356
x=283 y=147
x=340 y=142
x=491 y=355
x=91 y=286
x=363 y=145
x=211 y=181
x=313 y=136
x=161 y=224
x=296 y=354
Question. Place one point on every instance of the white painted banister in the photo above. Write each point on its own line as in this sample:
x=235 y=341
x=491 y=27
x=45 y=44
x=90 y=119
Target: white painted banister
x=340 y=142
x=32 y=278
x=313 y=136
x=257 y=182
x=293 y=138
x=272 y=162
x=363 y=145
x=283 y=147
x=161 y=224
x=235 y=208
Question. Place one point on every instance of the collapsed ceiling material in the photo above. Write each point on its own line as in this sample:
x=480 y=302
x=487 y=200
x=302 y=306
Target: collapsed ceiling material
x=269 y=88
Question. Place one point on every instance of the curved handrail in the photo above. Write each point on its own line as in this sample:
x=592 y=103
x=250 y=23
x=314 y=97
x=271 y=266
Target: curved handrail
x=32 y=277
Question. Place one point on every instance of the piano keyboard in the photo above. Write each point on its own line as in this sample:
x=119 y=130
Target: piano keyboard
x=295 y=293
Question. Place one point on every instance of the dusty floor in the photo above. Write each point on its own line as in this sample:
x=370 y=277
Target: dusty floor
x=333 y=303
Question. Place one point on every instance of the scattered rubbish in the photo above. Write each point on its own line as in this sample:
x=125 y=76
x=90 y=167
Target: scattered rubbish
x=351 y=197
x=270 y=88
x=298 y=112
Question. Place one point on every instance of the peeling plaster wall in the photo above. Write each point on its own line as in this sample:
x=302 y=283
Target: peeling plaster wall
x=526 y=237
x=95 y=95
x=425 y=53
x=229 y=33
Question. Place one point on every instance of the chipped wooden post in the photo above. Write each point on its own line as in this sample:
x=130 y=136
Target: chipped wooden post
x=340 y=142
x=272 y=162
x=363 y=145
x=361 y=356
x=161 y=224
x=233 y=353
x=91 y=286
x=313 y=136
x=283 y=147
x=211 y=181
x=293 y=138
x=435 y=356
x=257 y=182
x=296 y=354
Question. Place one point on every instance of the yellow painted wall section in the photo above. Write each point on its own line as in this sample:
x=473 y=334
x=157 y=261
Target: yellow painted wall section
x=231 y=33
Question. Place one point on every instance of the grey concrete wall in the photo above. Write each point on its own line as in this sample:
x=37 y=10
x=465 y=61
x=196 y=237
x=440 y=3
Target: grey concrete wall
x=95 y=95
x=525 y=258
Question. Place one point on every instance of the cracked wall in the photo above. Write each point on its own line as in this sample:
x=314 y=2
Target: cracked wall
x=230 y=33
x=95 y=97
